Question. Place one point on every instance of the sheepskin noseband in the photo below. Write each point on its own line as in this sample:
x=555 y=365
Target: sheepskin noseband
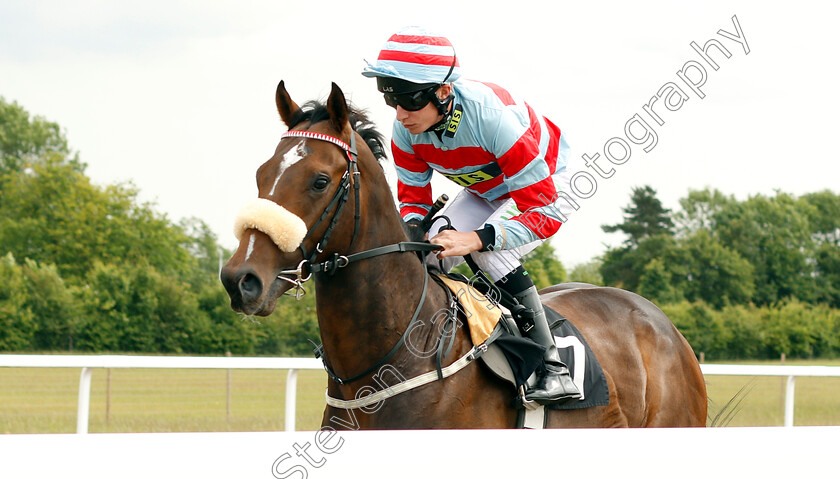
x=286 y=229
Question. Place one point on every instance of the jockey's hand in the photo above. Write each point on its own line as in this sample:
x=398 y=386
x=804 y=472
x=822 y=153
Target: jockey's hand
x=456 y=243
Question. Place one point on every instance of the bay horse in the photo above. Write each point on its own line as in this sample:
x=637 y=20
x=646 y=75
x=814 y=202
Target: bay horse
x=309 y=190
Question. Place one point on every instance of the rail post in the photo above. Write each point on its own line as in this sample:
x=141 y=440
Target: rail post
x=291 y=399
x=83 y=415
x=789 y=393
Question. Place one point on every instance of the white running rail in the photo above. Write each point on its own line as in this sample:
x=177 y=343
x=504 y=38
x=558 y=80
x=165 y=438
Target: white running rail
x=791 y=372
x=88 y=363
x=293 y=365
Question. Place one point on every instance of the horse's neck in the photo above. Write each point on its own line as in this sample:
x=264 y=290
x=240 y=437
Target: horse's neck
x=365 y=308
x=372 y=285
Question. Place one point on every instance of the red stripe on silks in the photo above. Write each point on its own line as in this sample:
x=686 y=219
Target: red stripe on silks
x=407 y=160
x=542 y=225
x=458 y=158
x=455 y=158
x=536 y=196
x=420 y=58
x=500 y=92
x=415 y=194
x=486 y=186
x=553 y=145
x=421 y=39
x=525 y=150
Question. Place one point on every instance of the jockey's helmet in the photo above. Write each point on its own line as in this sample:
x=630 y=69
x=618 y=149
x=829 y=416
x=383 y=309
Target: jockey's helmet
x=414 y=59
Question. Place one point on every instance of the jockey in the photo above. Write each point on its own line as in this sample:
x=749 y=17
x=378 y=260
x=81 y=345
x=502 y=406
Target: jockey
x=510 y=161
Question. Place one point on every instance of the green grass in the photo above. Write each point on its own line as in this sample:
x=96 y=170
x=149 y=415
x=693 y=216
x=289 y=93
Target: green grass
x=44 y=400
x=817 y=400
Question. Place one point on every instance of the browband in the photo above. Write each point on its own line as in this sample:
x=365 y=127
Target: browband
x=351 y=152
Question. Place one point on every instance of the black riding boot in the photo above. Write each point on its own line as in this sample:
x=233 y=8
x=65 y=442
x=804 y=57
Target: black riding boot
x=554 y=384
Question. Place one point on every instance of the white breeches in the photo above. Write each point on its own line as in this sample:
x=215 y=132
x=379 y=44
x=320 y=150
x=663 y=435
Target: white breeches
x=469 y=212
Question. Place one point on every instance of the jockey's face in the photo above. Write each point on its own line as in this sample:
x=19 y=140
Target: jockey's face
x=417 y=122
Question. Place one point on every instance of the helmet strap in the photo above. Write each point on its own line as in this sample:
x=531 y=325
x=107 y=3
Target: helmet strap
x=442 y=106
x=443 y=109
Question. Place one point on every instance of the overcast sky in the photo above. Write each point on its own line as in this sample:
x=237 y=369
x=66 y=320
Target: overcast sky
x=177 y=96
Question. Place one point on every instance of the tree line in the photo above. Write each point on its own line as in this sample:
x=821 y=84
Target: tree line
x=90 y=268
x=751 y=278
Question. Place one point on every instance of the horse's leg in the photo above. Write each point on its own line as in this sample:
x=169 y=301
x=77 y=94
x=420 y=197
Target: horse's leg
x=676 y=392
x=483 y=400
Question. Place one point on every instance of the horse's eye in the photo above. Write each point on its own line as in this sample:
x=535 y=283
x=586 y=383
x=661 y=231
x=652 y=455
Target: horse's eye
x=321 y=183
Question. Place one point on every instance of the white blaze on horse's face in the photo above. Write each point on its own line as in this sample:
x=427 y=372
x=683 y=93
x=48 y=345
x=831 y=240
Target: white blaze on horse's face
x=284 y=228
x=290 y=158
x=250 y=247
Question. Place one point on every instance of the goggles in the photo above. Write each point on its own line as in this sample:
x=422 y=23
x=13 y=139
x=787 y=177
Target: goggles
x=412 y=101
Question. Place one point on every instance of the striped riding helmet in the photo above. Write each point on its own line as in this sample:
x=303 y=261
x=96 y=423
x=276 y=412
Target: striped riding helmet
x=417 y=56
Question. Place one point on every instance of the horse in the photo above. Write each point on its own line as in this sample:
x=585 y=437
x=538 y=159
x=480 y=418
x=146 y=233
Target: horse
x=324 y=169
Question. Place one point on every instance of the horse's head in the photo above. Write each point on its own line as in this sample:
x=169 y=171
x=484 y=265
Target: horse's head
x=308 y=200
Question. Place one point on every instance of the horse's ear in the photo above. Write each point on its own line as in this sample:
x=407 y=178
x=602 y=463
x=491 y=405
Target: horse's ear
x=337 y=107
x=285 y=105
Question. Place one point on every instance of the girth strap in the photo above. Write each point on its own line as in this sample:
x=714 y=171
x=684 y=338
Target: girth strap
x=410 y=384
x=449 y=328
x=474 y=353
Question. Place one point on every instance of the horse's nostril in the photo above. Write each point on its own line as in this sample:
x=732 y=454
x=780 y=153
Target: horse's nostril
x=250 y=287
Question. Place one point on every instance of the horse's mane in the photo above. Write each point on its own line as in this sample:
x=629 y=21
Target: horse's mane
x=315 y=111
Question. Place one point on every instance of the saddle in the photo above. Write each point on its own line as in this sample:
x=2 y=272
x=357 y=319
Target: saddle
x=515 y=359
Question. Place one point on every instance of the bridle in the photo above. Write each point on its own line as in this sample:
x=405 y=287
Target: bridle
x=339 y=199
x=308 y=266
